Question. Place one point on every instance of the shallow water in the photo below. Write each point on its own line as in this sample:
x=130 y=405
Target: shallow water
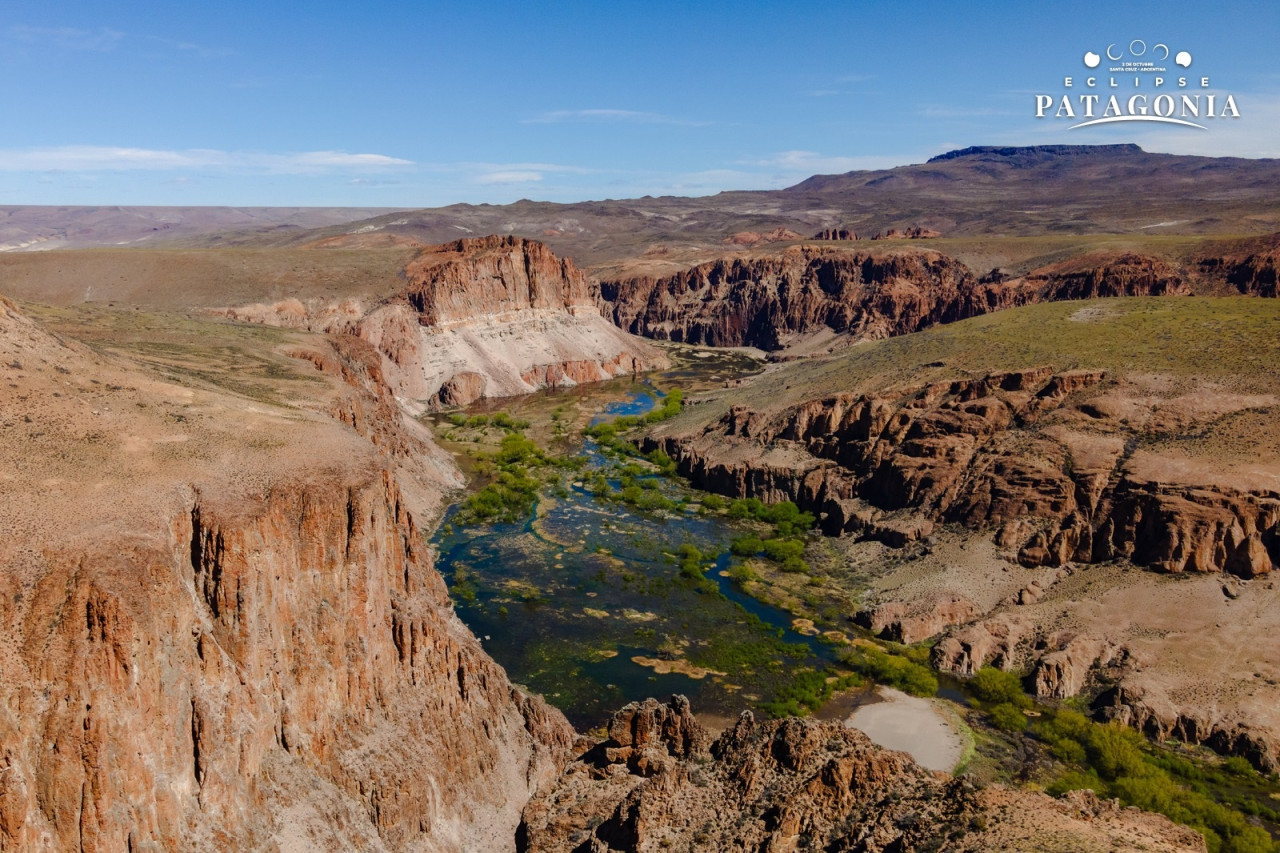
x=570 y=598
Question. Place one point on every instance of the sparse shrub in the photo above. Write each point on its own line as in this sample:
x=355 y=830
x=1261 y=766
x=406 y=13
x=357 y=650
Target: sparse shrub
x=1007 y=718
x=891 y=670
x=996 y=686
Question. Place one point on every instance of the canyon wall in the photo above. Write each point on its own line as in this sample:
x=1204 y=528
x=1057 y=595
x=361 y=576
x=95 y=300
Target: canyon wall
x=771 y=300
x=1062 y=471
x=762 y=301
x=221 y=626
x=963 y=452
x=488 y=317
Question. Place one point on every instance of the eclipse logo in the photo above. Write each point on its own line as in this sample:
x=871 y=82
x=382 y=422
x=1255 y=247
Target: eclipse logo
x=1163 y=96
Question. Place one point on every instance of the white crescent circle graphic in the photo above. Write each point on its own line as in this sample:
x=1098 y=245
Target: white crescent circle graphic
x=1134 y=49
x=1109 y=56
x=1166 y=51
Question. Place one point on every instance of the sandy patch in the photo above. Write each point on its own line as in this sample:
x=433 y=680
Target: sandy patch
x=804 y=626
x=683 y=667
x=912 y=725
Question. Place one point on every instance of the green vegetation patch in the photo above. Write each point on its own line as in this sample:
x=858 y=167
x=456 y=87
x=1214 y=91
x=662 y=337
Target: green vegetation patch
x=891 y=669
x=1116 y=761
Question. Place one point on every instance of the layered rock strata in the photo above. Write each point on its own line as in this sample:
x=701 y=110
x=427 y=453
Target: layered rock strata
x=488 y=317
x=1060 y=470
x=771 y=300
x=763 y=301
x=962 y=452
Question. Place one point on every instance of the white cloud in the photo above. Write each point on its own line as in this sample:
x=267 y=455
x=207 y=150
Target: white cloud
x=628 y=116
x=513 y=177
x=813 y=163
x=91 y=158
x=67 y=38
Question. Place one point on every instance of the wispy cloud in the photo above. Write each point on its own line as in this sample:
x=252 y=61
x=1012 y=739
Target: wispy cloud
x=948 y=111
x=620 y=116
x=67 y=38
x=93 y=158
x=513 y=177
x=811 y=162
x=840 y=85
x=102 y=40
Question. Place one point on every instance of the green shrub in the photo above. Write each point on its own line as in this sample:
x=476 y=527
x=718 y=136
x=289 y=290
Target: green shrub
x=996 y=686
x=1007 y=718
x=891 y=670
x=806 y=693
x=713 y=502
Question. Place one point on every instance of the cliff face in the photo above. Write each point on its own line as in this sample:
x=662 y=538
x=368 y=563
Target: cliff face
x=960 y=452
x=768 y=301
x=221 y=629
x=488 y=317
x=1249 y=266
x=1103 y=274
x=1062 y=471
x=761 y=301
x=660 y=782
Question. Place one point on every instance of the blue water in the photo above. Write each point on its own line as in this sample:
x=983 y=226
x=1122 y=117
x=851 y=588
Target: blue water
x=565 y=600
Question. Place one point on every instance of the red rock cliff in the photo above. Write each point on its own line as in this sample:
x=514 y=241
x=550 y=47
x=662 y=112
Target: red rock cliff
x=221 y=629
x=488 y=317
x=803 y=289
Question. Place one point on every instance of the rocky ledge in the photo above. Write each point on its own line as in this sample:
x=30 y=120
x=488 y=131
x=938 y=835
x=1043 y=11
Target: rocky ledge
x=659 y=781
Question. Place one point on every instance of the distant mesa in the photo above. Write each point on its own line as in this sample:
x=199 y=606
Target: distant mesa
x=1039 y=151
x=914 y=233
x=835 y=234
x=751 y=238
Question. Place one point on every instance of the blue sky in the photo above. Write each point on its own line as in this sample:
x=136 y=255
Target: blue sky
x=378 y=103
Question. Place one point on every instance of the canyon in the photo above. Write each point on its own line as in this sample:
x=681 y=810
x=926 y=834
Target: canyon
x=221 y=629
x=223 y=626
x=1068 y=474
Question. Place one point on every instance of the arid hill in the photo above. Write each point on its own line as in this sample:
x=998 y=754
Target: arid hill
x=979 y=191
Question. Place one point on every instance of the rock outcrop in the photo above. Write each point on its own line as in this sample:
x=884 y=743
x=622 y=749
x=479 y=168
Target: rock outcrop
x=914 y=232
x=659 y=782
x=835 y=234
x=960 y=452
x=1249 y=266
x=752 y=238
x=221 y=629
x=488 y=317
x=771 y=300
x=1101 y=274
x=804 y=289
